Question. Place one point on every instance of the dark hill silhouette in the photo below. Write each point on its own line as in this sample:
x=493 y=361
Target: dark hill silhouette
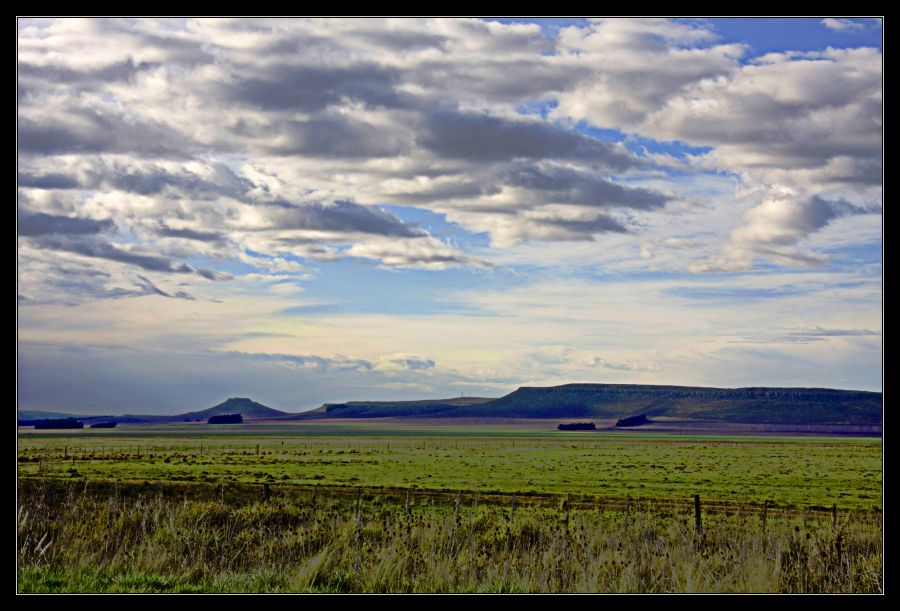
x=819 y=406
x=247 y=408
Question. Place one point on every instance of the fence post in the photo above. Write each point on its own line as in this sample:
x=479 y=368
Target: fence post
x=833 y=515
x=266 y=493
x=356 y=536
x=698 y=523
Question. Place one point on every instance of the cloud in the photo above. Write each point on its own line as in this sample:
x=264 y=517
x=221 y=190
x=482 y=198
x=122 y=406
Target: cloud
x=566 y=185
x=805 y=122
x=636 y=65
x=211 y=139
x=413 y=363
x=106 y=250
x=312 y=88
x=820 y=332
x=421 y=253
x=322 y=363
x=188 y=234
x=86 y=131
x=39 y=224
x=481 y=137
x=336 y=136
x=338 y=217
x=842 y=25
x=146 y=287
x=623 y=365
x=773 y=230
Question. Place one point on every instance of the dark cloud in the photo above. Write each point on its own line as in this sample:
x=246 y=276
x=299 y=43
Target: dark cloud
x=337 y=136
x=104 y=250
x=480 y=137
x=403 y=40
x=39 y=224
x=569 y=186
x=413 y=363
x=188 y=234
x=154 y=179
x=342 y=216
x=48 y=181
x=313 y=88
x=511 y=81
x=118 y=71
x=321 y=363
x=601 y=224
x=149 y=288
x=820 y=332
x=144 y=179
x=85 y=131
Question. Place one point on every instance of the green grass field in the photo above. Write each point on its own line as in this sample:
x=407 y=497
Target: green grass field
x=427 y=508
x=788 y=471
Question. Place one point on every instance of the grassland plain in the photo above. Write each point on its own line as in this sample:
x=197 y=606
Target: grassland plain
x=435 y=508
x=798 y=472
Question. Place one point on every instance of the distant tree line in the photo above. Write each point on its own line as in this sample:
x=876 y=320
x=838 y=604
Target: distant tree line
x=53 y=423
x=578 y=426
x=226 y=419
x=633 y=421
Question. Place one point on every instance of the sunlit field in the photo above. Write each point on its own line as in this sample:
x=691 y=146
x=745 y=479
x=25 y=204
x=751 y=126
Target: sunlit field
x=368 y=507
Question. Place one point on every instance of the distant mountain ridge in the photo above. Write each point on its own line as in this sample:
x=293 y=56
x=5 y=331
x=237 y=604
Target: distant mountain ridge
x=756 y=405
x=249 y=410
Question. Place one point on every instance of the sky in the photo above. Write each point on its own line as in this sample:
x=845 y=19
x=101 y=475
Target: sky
x=324 y=210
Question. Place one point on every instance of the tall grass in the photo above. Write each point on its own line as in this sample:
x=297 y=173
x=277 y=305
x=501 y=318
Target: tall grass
x=102 y=541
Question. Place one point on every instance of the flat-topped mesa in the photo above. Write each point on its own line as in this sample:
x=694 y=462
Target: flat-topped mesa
x=767 y=405
x=752 y=405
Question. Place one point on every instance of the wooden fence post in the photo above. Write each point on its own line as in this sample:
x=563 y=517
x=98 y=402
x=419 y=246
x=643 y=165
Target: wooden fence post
x=698 y=523
x=266 y=493
x=357 y=534
x=833 y=515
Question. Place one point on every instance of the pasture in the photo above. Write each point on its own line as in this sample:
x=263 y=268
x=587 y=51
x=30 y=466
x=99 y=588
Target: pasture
x=378 y=507
x=787 y=471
